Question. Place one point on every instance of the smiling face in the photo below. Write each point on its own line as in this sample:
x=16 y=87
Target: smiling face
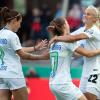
x=90 y=16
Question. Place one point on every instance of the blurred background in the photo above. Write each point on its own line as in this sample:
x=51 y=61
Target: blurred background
x=37 y=15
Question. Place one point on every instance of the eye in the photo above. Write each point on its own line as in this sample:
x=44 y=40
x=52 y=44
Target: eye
x=88 y=14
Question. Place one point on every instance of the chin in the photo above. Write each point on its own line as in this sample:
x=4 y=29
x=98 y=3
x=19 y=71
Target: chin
x=15 y=30
x=86 y=22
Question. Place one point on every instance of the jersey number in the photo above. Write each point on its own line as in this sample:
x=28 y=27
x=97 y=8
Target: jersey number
x=93 y=78
x=1 y=56
x=54 y=60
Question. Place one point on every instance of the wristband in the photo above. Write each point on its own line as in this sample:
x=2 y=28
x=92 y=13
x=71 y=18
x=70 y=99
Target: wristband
x=34 y=48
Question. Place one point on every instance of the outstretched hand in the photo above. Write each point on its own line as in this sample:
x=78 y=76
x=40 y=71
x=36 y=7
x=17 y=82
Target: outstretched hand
x=41 y=45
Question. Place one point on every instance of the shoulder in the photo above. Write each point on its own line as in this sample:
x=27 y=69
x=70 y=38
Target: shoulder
x=58 y=45
x=11 y=34
x=94 y=30
x=78 y=31
x=68 y=45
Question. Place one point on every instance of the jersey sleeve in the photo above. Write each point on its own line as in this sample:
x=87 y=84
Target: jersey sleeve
x=73 y=46
x=15 y=42
x=78 y=31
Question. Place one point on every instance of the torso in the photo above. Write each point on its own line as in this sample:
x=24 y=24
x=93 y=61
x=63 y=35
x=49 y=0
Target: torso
x=60 y=58
x=10 y=65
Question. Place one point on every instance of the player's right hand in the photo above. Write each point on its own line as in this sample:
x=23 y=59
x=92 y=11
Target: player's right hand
x=53 y=40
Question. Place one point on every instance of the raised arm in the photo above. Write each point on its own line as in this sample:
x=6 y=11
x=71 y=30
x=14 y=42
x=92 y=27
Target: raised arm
x=68 y=38
x=71 y=38
x=87 y=53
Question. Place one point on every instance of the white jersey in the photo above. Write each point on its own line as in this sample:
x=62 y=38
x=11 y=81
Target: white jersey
x=80 y=42
x=91 y=65
x=10 y=66
x=60 y=58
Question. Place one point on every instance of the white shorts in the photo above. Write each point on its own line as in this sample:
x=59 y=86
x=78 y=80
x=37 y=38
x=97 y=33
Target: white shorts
x=12 y=83
x=91 y=84
x=66 y=91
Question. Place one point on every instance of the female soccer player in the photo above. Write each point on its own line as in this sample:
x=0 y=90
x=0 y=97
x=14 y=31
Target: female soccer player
x=90 y=81
x=60 y=54
x=11 y=76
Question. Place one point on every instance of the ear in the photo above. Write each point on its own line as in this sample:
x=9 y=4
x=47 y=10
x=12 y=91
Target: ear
x=50 y=28
x=14 y=20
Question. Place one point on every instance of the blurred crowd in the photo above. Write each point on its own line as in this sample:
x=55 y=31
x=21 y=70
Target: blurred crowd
x=34 y=25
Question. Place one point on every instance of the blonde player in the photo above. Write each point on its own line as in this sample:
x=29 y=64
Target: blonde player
x=90 y=81
x=11 y=76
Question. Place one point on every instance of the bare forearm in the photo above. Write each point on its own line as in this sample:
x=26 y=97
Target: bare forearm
x=93 y=53
x=71 y=38
x=28 y=56
x=65 y=39
x=28 y=49
x=87 y=53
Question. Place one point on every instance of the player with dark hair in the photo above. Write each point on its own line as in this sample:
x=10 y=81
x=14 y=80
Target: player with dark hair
x=11 y=76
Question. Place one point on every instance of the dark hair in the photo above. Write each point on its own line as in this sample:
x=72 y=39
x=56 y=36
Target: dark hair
x=58 y=23
x=0 y=19
x=9 y=14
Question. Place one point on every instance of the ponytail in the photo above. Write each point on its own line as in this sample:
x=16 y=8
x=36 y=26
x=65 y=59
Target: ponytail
x=9 y=14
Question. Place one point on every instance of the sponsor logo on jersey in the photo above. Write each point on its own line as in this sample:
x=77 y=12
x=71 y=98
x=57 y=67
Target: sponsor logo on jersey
x=3 y=41
x=3 y=67
x=56 y=47
x=95 y=69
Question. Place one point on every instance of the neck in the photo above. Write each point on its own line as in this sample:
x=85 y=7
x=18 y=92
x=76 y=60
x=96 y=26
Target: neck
x=88 y=26
x=8 y=27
